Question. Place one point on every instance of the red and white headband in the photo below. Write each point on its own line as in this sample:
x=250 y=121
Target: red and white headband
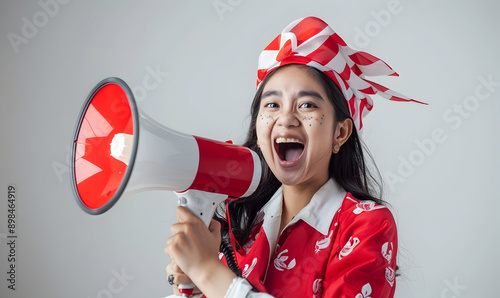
x=310 y=41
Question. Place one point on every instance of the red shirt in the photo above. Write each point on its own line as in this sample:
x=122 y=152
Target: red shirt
x=337 y=246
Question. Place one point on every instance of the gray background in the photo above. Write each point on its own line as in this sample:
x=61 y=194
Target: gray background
x=443 y=192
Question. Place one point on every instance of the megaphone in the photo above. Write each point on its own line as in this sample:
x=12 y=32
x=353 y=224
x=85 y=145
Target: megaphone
x=116 y=151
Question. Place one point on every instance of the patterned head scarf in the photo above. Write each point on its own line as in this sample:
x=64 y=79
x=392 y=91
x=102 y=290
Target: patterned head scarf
x=310 y=41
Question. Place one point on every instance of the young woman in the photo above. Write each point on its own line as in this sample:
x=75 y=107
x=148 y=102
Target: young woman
x=316 y=225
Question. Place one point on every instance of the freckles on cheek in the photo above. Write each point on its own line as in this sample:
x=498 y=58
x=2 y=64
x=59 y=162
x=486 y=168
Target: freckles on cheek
x=266 y=119
x=309 y=121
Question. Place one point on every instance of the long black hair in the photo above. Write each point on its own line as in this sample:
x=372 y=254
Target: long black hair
x=347 y=167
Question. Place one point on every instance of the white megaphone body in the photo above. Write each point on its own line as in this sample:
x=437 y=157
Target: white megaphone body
x=116 y=150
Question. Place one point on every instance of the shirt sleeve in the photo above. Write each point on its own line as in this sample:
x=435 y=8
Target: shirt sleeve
x=241 y=288
x=363 y=262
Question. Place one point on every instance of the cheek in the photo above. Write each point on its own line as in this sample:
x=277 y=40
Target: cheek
x=320 y=129
x=264 y=123
x=263 y=126
x=314 y=120
x=265 y=119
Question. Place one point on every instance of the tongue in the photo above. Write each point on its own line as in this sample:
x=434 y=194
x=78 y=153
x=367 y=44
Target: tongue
x=292 y=154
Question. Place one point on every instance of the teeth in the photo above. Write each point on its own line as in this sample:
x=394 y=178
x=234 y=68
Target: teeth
x=287 y=140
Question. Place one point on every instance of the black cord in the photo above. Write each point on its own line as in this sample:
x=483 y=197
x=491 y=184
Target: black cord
x=227 y=249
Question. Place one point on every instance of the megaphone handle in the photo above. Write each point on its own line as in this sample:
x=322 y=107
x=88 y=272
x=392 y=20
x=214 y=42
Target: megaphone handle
x=186 y=289
x=200 y=203
x=203 y=205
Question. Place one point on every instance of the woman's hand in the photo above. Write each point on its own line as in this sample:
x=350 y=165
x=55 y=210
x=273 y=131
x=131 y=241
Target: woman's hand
x=193 y=247
x=179 y=278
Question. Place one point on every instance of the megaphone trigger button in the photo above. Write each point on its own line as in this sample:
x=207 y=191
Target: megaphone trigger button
x=182 y=201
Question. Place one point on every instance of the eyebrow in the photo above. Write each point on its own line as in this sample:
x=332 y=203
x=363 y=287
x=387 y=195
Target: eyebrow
x=311 y=94
x=302 y=93
x=271 y=93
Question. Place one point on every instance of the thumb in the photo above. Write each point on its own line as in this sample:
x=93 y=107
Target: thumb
x=184 y=215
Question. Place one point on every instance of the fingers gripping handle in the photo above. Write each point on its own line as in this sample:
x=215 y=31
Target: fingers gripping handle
x=203 y=205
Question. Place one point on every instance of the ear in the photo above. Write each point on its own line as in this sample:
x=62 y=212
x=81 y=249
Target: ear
x=342 y=133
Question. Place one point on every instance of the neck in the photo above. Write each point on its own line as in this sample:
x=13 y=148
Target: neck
x=295 y=198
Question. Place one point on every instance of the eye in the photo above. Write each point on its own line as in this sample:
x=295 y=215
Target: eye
x=271 y=105
x=307 y=105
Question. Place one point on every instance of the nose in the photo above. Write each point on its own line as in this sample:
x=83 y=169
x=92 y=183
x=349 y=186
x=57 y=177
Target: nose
x=288 y=118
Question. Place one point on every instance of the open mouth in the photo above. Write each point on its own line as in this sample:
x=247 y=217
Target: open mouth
x=289 y=149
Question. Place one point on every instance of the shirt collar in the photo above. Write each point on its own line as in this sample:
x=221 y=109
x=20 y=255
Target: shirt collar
x=318 y=213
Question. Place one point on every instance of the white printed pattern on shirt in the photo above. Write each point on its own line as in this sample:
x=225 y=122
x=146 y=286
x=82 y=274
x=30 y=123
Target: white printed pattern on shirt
x=386 y=252
x=323 y=243
x=248 y=269
x=348 y=247
x=366 y=206
x=365 y=292
x=390 y=275
x=317 y=288
x=279 y=262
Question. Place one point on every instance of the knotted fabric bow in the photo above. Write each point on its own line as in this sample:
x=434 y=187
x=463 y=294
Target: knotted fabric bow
x=310 y=41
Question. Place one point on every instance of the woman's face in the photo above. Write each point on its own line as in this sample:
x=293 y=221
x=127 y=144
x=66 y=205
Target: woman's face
x=295 y=127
